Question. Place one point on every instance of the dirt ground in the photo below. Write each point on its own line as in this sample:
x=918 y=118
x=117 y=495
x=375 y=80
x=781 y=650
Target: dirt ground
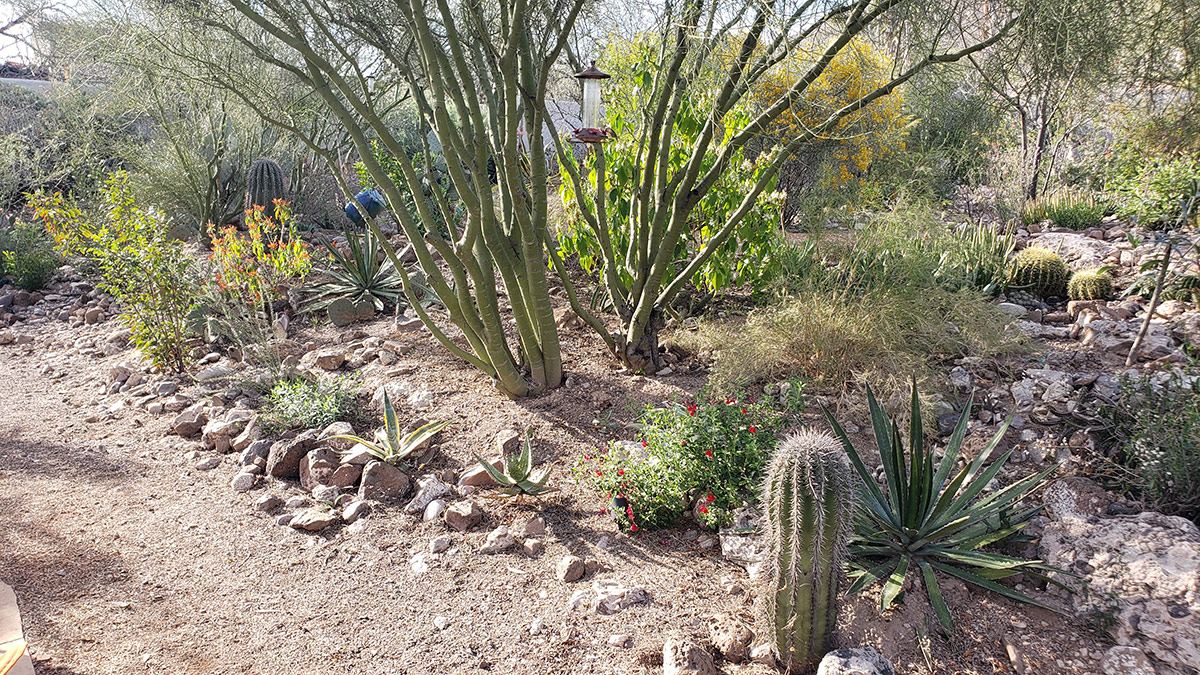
x=126 y=559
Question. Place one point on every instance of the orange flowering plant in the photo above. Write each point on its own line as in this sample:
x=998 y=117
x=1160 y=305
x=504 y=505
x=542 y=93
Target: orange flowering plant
x=258 y=266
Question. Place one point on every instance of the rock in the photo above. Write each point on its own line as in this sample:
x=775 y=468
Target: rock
x=498 y=541
x=433 y=511
x=440 y=543
x=313 y=520
x=1126 y=661
x=329 y=358
x=408 y=325
x=478 y=476
x=208 y=463
x=429 y=488
x=268 y=503
x=284 y=518
x=1079 y=250
x=856 y=661
x=684 y=657
x=317 y=467
x=93 y=315
x=1143 y=571
x=359 y=454
x=243 y=482
x=189 y=422
x=326 y=493
x=731 y=638
x=1012 y=309
x=462 y=516
x=283 y=461
x=256 y=453
x=218 y=435
x=249 y=435
x=763 y=654
x=214 y=373
x=1075 y=496
x=536 y=527
x=532 y=547
x=338 y=429
x=960 y=378
x=383 y=482
x=571 y=568
x=345 y=475
x=978 y=438
x=355 y=510
x=612 y=597
x=620 y=640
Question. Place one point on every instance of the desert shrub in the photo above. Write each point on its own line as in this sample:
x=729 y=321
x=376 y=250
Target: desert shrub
x=711 y=454
x=1155 y=429
x=1069 y=208
x=152 y=279
x=27 y=255
x=301 y=403
x=1149 y=189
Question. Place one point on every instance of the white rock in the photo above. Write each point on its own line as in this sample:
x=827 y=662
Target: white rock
x=434 y=510
x=498 y=541
x=208 y=463
x=243 y=482
x=440 y=543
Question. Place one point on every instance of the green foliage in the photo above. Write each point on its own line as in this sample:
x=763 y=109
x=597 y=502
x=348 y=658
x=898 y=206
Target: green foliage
x=1154 y=427
x=711 y=453
x=357 y=275
x=1040 y=271
x=152 y=279
x=27 y=255
x=1069 y=208
x=518 y=478
x=1090 y=285
x=301 y=403
x=264 y=184
x=389 y=446
x=809 y=503
x=976 y=257
x=928 y=519
x=1148 y=189
x=1185 y=288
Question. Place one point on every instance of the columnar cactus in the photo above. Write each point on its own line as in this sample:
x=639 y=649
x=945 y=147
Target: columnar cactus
x=809 y=499
x=265 y=184
x=1090 y=285
x=1040 y=271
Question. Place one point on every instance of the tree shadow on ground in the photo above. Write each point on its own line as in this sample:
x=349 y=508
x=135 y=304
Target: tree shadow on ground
x=21 y=452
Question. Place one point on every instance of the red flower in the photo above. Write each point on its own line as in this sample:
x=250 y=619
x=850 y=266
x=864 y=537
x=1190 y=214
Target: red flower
x=586 y=458
x=703 y=509
x=753 y=429
x=633 y=527
x=743 y=411
x=644 y=443
x=708 y=453
x=711 y=498
x=620 y=472
x=599 y=473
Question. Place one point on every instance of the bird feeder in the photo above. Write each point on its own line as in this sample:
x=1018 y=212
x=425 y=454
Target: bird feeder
x=591 y=131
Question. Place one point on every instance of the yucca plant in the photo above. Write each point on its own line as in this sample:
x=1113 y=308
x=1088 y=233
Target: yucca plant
x=930 y=520
x=389 y=446
x=357 y=275
x=518 y=477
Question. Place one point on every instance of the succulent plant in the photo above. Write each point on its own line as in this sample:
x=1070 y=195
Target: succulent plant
x=389 y=446
x=1090 y=285
x=809 y=499
x=1039 y=270
x=265 y=184
x=1186 y=288
x=518 y=477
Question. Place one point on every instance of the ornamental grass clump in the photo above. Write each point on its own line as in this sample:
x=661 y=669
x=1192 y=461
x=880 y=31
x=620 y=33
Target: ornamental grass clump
x=928 y=520
x=809 y=501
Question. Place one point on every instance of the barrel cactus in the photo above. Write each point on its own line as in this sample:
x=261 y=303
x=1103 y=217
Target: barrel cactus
x=1090 y=285
x=1039 y=270
x=809 y=499
x=265 y=183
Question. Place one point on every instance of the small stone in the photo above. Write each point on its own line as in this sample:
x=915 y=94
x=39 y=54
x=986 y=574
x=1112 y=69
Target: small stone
x=532 y=547
x=763 y=654
x=297 y=502
x=283 y=460
x=284 y=518
x=325 y=493
x=433 y=510
x=440 y=543
x=429 y=488
x=268 y=503
x=189 y=422
x=441 y=623
x=498 y=541
x=208 y=463
x=731 y=638
x=684 y=657
x=620 y=640
x=383 y=482
x=313 y=520
x=612 y=597
x=355 y=510
x=462 y=516
x=857 y=661
x=537 y=627
x=571 y=568
x=243 y=482
x=534 y=528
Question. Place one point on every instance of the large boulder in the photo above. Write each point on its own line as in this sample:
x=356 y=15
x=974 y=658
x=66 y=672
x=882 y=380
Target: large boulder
x=284 y=458
x=1079 y=250
x=1143 y=571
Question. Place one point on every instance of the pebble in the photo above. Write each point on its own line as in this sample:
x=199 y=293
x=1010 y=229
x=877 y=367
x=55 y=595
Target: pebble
x=440 y=543
x=208 y=463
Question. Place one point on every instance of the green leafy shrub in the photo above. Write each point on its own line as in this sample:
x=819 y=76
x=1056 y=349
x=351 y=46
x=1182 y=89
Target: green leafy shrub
x=1040 y=271
x=1148 y=189
x=932 y=517
x=1154 y=428
x=1069 y=209
x=809 y=503
x=301 y=403
x=711 y=454
x=1090 y=285
x=357 y=275
x=27 y=255
x=152 y=279
x=389 y=446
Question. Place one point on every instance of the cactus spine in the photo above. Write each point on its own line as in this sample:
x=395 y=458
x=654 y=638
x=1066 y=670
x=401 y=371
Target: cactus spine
x=1089 y=285
x=1041 y=271
x=265 y=184
x=809 y=500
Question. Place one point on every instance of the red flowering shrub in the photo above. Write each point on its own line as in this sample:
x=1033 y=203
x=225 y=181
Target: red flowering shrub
x=711 y=455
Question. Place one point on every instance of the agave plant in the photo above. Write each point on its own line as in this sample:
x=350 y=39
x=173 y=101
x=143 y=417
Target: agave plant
x=357 y=275
x=518 y=477
x=389 y=446
x=931 y=520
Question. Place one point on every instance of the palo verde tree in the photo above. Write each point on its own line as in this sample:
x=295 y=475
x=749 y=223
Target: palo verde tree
x=699 y=122
x=471 y=198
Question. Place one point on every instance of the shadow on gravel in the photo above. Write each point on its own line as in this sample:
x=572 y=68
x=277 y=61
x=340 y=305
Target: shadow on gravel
x=22 y=453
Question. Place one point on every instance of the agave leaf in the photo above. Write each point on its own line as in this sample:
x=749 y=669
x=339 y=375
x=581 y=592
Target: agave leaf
x=894 y=583
x=419 y=435
x=935 y=597
x=917 y=476
x=953 y=448
x=874 y=501
x=869 y=577
x=391 y=425
x=519 y=467
x=494 y=473
x=882 y=426
x=991 y=585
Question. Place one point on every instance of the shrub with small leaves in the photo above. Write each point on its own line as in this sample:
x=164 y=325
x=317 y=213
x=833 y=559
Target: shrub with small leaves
x=1090 y=285
x=1040 y=271
x=27 y=255
x=301 y=403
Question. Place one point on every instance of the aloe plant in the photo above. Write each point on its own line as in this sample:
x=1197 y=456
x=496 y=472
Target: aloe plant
x=357 y=275
x=929 y=520
x=518 y=477
x=389 y=446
